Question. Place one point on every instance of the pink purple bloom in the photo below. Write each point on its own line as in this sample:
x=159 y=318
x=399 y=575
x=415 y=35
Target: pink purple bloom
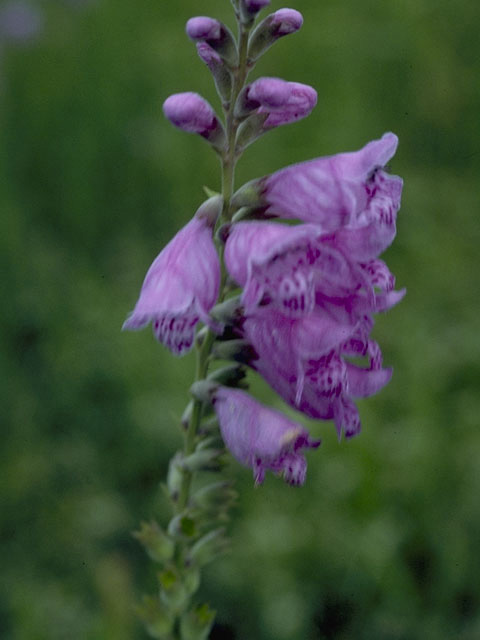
x=308 y=307
x=283 y=102
x=262 y=438
x=349 y=195
x=182 y=284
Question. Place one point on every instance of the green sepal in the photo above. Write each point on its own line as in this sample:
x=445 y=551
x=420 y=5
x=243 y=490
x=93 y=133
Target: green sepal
x=175 y=476
x=238 y=350
x=203 y=460
x=183 y=526
x=173 y=592
x=197 y=623
x=158 y=544
x=156 y=616
x=208 y=548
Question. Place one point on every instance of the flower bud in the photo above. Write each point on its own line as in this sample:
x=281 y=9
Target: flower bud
x=273 y=103
x=156 y=542
x=197 y=623
x=182 y=526
x=219 y=71
x=250 y=8
x=231 y=376
x=275 y=26
x=173 y=592
x=237 y=350
x=175 y=477
x=202 y=390
x=228 y=312
x=203 y=460
x=215 y=34
x=192 y=113
x=157 y=617
x=208 y=548
x=214 y=497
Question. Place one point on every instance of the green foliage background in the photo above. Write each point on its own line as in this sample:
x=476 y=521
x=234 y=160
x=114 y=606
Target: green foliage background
x=383 y=541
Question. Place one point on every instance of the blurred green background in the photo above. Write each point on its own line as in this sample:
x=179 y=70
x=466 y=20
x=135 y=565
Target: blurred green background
x=384 y=539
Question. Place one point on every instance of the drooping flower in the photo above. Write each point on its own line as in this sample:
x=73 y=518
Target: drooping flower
x=348 y=194
x=282 y=102
x=303 y=360
x=308 y=308
x=260 y=437
x=182 y=284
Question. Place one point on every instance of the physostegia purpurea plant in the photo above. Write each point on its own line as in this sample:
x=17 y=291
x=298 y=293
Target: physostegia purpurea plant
x=294 y=302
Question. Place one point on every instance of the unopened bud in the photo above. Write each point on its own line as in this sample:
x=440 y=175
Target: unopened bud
x=182 y=526
x=210 y=210
x=275 y=26
x=228 y=312
x=237 y=350
x=214 y=497
x=219 y=71
x=231 y=376
x=156 y=542
x=250 y=194
x=173 y=592
x=156 y=616
x=197 y=623
x=203 y=460
x=208 y=548
x=203 y=390
x=175 y=477
x=192 y=113
x=250 y=8
x=215 y=34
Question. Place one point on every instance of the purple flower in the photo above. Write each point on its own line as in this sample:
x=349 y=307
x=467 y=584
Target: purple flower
x=348 y=194
x=308 y=307
x=20 y=22
x=286 y=21
x=182 y=284
x=303 y=360
x=260 y=437
x=283 y=102
x=292 y=268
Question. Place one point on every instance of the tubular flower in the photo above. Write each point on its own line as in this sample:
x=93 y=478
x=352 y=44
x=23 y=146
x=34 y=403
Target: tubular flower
x=348 y=195
x=182 y=284
x=308 y=307
x=302 y=363
x=262 y=438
